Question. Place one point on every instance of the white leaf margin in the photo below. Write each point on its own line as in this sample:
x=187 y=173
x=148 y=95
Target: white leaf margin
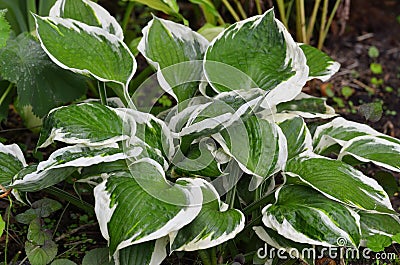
x=15 y=151
x=204 y=243
x=395 y=147
x=288 y=231
x=179 y=31
x=102 y=15
x=184 y=217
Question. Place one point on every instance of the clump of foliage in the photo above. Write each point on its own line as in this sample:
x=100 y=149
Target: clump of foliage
x=233 y=158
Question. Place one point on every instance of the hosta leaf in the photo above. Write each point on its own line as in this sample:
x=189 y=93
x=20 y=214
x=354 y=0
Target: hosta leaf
x=88 y=12
x=259 y=147
x=214 y=225
x=297 y=135
x=307 y=107
x=88 y=123
x=176 y=52
x=379 y=151
x=128 y=205
x=200 y=161
x=383 y=224
x=340 y=131
x=69 y=158
x=326 y=220
x=11 y=162
x=338 y=181
x=257 y=53
x=149 y=129
x=107 y=58
x=220 y=112
x=277 y=241
x=321 y=66
x=30 y=180
x=147 y=253
x=40 y=82
x=4 y=28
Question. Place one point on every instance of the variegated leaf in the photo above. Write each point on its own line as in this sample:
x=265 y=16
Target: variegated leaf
x=277 y=241
x=338 y=181
x=339 y=131
x=176 y=52
x=258 y=145
x=88 y=124
x=257 y=53
x=373 y=149
x=147 y=253
x=379 y=224
x=214 y=224
x=11 y=162
x=326 y=220
x=128 y=205
x=88 y=12
x=321 y=66
x=63 y=162
x=297 y=135
x=107 y=58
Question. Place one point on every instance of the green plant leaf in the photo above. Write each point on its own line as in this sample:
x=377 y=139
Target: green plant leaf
x=149 y=129
x=376 y=68
x=340 y=131
x=40 y=255
x=215 y=224
x=379 y=151
x=39 y=81
x=36 y=235
x=2 y=226
x=321 y=66
x=209 y=10
x=307 y=106
x=146 y=253
x=297 y=135
x=89 y=124
x=5 y=28
x=128 y=205
x=338 y=181
x=169 y=7
x=27 y=217
x=176 y=52
x=63 y=262
x=202 y=160
x=11 y=162
x=88 y=12
x=327 y=220
x=45 y=207
x=396 y=237
x=373 y=52
x=387 y=181
x=377 y=243
x=258 y=145
x=65 y=161
x=29 y=180
x=217 y=113
x=257 y=53
x=371 y=111
x=373 y=223
x=210 y=32
x=277 y=241
x=107 y=58
x=98 y=256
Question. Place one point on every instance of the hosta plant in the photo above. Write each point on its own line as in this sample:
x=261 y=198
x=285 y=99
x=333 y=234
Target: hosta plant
x=233 y=159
